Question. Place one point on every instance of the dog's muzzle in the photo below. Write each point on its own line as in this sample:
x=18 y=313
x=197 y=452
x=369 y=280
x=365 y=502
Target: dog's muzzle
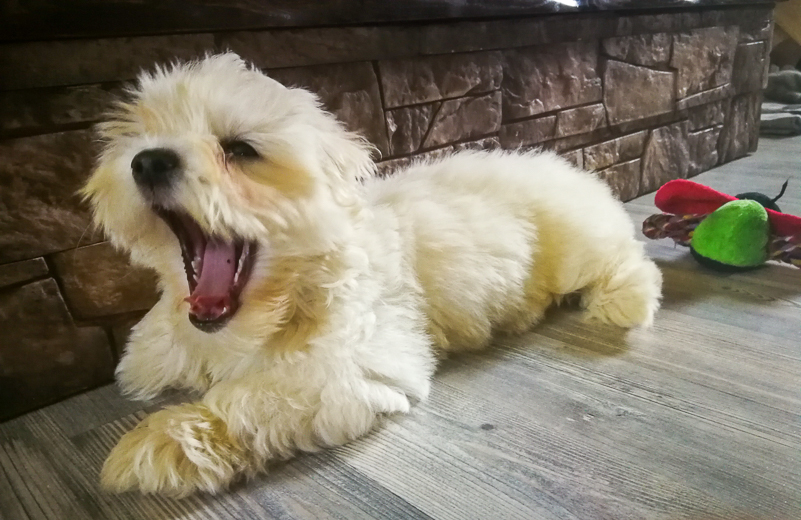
x=217 y=268
x=155 y=172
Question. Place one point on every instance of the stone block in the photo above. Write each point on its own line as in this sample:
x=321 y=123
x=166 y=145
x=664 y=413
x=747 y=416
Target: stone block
x=40 y=212
x=575 y=157
x=650 y=122
x=689 y=20
x=666 y=156
x=647 y=49
x=486 y=144
x=705 y=116
x=424 y=79
x=50 y=107
x=703 y=59
x=755 y=23
x=276 y=48
x=707 y=96
x=665 y=22
x=713 y=17
x=408 y=126
x=392 y=166
x=349 y=91
x=121 y=331
x=99 y=281
x=703 y=146
x=633 y=92
x=750 y=62
x=648 y=24
x=626 y=148
x=740 y=133
x=511 y=33
x=580 y=120
x=576 y=141
x=531 y=131
x=77 y=62
x=465 y=118
x=623 y=178
x=550 y=77
x=19 y=272
x=43 y=355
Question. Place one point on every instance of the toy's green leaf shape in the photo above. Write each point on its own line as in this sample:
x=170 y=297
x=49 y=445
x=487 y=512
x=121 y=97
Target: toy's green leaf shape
x=735 y=235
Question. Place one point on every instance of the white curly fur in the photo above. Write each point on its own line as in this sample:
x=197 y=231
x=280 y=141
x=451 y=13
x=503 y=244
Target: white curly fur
x=360 y=283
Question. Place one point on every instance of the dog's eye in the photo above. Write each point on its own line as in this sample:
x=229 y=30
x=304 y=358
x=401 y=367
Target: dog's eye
x=239 y=149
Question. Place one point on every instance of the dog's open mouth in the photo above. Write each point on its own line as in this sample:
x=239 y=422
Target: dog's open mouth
x=216 y=269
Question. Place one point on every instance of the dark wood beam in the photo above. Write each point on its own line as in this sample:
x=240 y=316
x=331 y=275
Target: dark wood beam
x=25 y=20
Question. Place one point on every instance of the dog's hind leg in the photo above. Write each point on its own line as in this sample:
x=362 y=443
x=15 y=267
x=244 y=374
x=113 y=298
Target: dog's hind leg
x=627 y=292
x=462 y=333
x=531 y=310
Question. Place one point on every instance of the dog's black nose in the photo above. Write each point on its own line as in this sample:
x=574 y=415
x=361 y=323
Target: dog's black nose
x=155 y=168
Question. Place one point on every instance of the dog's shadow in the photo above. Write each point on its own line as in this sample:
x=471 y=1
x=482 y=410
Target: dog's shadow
x=563 y=331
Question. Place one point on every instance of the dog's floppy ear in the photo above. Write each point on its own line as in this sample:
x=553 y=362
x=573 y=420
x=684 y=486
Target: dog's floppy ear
x=344 y=154
x=348 y=153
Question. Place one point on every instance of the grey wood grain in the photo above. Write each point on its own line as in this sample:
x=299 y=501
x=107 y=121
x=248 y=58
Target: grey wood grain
x=697 y=418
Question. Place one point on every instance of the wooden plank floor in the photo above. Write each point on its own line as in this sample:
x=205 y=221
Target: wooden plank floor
x=698 y=418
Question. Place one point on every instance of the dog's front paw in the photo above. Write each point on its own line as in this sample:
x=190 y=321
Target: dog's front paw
x=175 y=451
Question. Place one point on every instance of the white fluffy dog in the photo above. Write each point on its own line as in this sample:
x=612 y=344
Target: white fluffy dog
x=306 y=298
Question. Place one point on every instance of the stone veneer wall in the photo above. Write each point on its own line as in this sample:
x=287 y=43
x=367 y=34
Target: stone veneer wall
x=640 y=99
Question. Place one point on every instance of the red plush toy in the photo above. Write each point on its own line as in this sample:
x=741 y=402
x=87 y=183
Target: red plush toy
x=724 y=232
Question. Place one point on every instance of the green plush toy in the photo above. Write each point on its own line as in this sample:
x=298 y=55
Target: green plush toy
x=723 y=232
x=735 y=235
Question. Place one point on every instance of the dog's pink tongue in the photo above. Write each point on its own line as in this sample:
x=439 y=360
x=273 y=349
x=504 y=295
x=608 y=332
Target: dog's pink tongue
x=212 y=296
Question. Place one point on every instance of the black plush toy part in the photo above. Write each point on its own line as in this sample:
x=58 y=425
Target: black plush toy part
x=763 y=199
